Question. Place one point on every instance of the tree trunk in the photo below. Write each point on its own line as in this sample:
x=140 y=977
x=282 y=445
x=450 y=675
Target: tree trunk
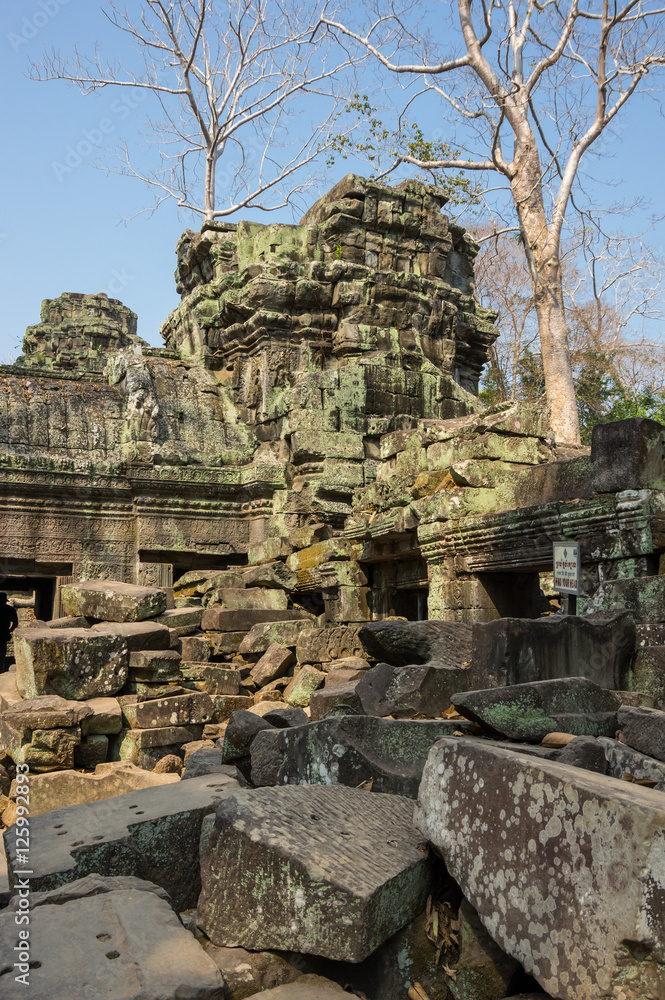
x=559 y=386
x=209 y=192
x=545 y=268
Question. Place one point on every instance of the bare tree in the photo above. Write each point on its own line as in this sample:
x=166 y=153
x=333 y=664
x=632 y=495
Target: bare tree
x=533 y=86
x=614 y=306
x=230 y=77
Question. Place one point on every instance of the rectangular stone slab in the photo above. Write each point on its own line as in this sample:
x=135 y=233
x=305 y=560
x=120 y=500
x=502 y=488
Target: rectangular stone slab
x=138 y=635
x=112 y=602
x=75 y=663
x=182 y=710
x=325 y=870
x=123 y=941
x=225 y=620
x=215 y=678
x=564 y=866
x=152 y=833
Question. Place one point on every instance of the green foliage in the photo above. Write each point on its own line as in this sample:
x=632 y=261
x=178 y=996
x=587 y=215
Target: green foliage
x=409 y=140
x=490 y=392
x=601 y=397
x=530 y=374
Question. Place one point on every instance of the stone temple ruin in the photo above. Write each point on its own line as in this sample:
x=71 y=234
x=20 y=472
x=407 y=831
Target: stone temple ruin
x=290 y=560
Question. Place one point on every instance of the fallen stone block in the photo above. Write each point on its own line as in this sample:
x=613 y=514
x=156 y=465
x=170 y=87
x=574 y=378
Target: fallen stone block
x=47 y=749
x=76 y=664
x=584 y=751
x=275 y=574
x=246 y=973
x=623 y=760
x=274 y=663
x=304 y=683
x=224 y=644
x=227 y=578
x=137 y=635
x=152 y=833
x=347 y=750
x=209 y=761
x=338 y=699
x=599 y=647
x=183 y=710
x=112 y=602
x=441 y=644
x=282 y=716
x=239 y=734
x=127 y=943
x=46 y=712
x=643 y=729
x=565 y=846
x=226 y=620
x=224 y=705
x=157 y=664
x=178 y=618
x=530 y=711
x=60 y=789
x=69 y=622
x=144 y=747
x=260 y=637
x=627 y=455
x=9 y=696
x=213 y=678
x=649 y=674
x=254 y=599
x=91 y=751
x=290 y=868
x=407 y=691
x=323 y=645
x=195 y=648
x=106 y=717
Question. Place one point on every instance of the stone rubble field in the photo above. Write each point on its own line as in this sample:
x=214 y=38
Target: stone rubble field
x=235 y=800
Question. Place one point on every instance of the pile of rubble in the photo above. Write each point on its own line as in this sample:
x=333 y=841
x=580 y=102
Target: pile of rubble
x=303 y=821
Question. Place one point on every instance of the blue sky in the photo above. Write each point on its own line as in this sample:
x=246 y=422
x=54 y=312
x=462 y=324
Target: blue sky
x=62 y=225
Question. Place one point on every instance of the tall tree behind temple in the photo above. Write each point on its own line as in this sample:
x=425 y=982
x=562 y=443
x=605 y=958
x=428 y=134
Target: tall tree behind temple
x=528 y=90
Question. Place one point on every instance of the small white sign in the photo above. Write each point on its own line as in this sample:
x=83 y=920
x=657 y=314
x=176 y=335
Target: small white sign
x=567 y=567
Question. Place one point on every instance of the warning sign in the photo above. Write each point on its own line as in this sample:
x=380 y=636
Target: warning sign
x=567 y=567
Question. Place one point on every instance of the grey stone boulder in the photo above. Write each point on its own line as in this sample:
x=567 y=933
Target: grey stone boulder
x=563 y=866
x=152 y=834
x=241 y=730
x=403 y=643
x=529 y=712
x=340 y=699
x=208 y=761
x=349 y=750
x=112 y=602
x=75 y=664
x=282 y=717
x=292 y=868
x=123 y=944
x=519 y=650
x=410 y=690
x=623 y=760
x=643 y=729
x=584 y=751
